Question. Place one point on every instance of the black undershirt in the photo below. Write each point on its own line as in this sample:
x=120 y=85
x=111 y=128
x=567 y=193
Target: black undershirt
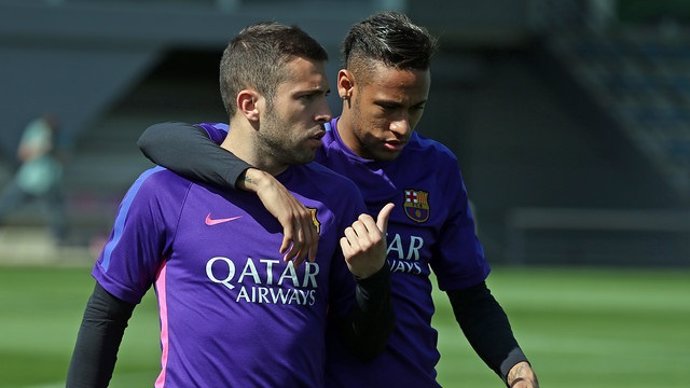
x=487 y=328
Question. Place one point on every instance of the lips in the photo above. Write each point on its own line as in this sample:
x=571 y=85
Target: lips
x=319 y=135
x=394 y=145
x=315 y=139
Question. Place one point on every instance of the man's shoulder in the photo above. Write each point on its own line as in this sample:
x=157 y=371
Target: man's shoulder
x=335 y=191
x=325 y=183
x=325 y=176
x=215 y=131
x=430 y=150
x=158 y=181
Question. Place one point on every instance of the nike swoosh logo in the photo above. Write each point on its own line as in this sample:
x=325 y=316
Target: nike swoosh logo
x=210 y=221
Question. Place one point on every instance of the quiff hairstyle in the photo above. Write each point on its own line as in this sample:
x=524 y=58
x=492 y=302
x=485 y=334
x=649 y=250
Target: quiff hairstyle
x=256 y=59
x=389 y=38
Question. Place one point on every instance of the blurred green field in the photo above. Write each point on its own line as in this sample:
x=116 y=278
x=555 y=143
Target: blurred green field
x=581 y=328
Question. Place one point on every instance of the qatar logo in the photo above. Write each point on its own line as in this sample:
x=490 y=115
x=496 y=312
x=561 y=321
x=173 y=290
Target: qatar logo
x=416 y=205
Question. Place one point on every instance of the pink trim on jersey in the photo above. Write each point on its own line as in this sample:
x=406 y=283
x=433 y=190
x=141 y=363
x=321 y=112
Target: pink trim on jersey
x=163 y=312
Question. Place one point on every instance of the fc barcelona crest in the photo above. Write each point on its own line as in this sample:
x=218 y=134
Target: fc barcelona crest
x=314 y=219
x=416 y=205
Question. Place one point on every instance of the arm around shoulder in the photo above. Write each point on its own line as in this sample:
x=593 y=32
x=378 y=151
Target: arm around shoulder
x=187 y=150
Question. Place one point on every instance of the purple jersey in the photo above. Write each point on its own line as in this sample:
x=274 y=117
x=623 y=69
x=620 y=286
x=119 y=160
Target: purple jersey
x=232 y=312
x=431 y=228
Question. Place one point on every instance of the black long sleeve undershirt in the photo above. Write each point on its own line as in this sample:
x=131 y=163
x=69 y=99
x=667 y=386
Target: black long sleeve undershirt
x=178 y=147
x=372 y=320
x=98 y=341
x=487 y=328
x=106 y=317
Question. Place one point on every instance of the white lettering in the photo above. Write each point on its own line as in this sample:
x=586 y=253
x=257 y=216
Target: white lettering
x=242 y=294
x=416 y=243
x=289 y=273
x=405 y=267
x=400 y=267
x=309 y=276
x=279 y=294
x=263 y=295
x=269 y=269
x=294 y=297
x=395 y=245
x=249 y=270
x=291 y=287
x=228 y=278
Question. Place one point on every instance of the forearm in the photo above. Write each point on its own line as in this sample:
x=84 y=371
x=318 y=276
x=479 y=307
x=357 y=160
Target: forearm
x=188 y=151
x=98 y=341
x=487 y=328
x=372 y=319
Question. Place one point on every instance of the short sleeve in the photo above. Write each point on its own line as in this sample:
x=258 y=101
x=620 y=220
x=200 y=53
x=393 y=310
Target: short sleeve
x=458 y=260
x=142 y=235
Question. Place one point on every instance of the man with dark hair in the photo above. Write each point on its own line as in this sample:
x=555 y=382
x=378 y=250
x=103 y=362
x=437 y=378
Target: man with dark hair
x=384 y=86
x=232 y=313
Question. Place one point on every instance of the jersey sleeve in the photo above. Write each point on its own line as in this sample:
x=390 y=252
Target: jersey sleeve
x=458 y=260
x=142 y=236
x=193 y=152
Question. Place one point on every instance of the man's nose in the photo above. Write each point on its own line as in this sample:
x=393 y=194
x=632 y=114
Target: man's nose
x=401 y=127
x=323 y=114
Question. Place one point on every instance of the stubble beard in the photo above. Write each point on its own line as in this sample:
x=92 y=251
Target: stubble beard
x=281 y=150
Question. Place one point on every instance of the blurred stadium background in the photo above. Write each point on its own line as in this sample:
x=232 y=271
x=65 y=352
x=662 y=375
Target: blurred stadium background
x=570 y=118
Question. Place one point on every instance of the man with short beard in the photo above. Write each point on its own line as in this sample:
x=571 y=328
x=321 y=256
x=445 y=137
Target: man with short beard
x=233 y=311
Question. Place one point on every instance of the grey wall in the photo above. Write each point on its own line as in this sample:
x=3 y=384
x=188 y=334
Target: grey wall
x=76 y=58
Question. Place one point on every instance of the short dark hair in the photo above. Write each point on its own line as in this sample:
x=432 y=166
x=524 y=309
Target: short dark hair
x=256 y=58
x=391 y=38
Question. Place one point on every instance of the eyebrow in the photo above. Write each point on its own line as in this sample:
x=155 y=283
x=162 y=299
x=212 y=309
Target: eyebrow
x=396 y=104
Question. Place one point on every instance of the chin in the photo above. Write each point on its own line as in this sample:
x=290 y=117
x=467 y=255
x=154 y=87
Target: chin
x=386 y=156
x=304 y=159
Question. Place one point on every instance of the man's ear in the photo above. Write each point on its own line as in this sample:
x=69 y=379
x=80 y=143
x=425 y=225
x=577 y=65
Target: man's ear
x=247 y=104
x=346 y=84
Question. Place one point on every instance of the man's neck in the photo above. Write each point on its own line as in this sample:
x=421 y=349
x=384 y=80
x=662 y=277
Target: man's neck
x=242 y=142
x=347 y=135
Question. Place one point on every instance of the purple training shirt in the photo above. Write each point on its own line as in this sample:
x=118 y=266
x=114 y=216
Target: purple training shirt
x=431 y=228
x=232 y=312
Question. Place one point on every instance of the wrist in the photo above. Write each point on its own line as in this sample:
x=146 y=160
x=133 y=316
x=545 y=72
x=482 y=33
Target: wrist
x=375 y=287
x=252 y=179
x=374 y=276
x=522 y=371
